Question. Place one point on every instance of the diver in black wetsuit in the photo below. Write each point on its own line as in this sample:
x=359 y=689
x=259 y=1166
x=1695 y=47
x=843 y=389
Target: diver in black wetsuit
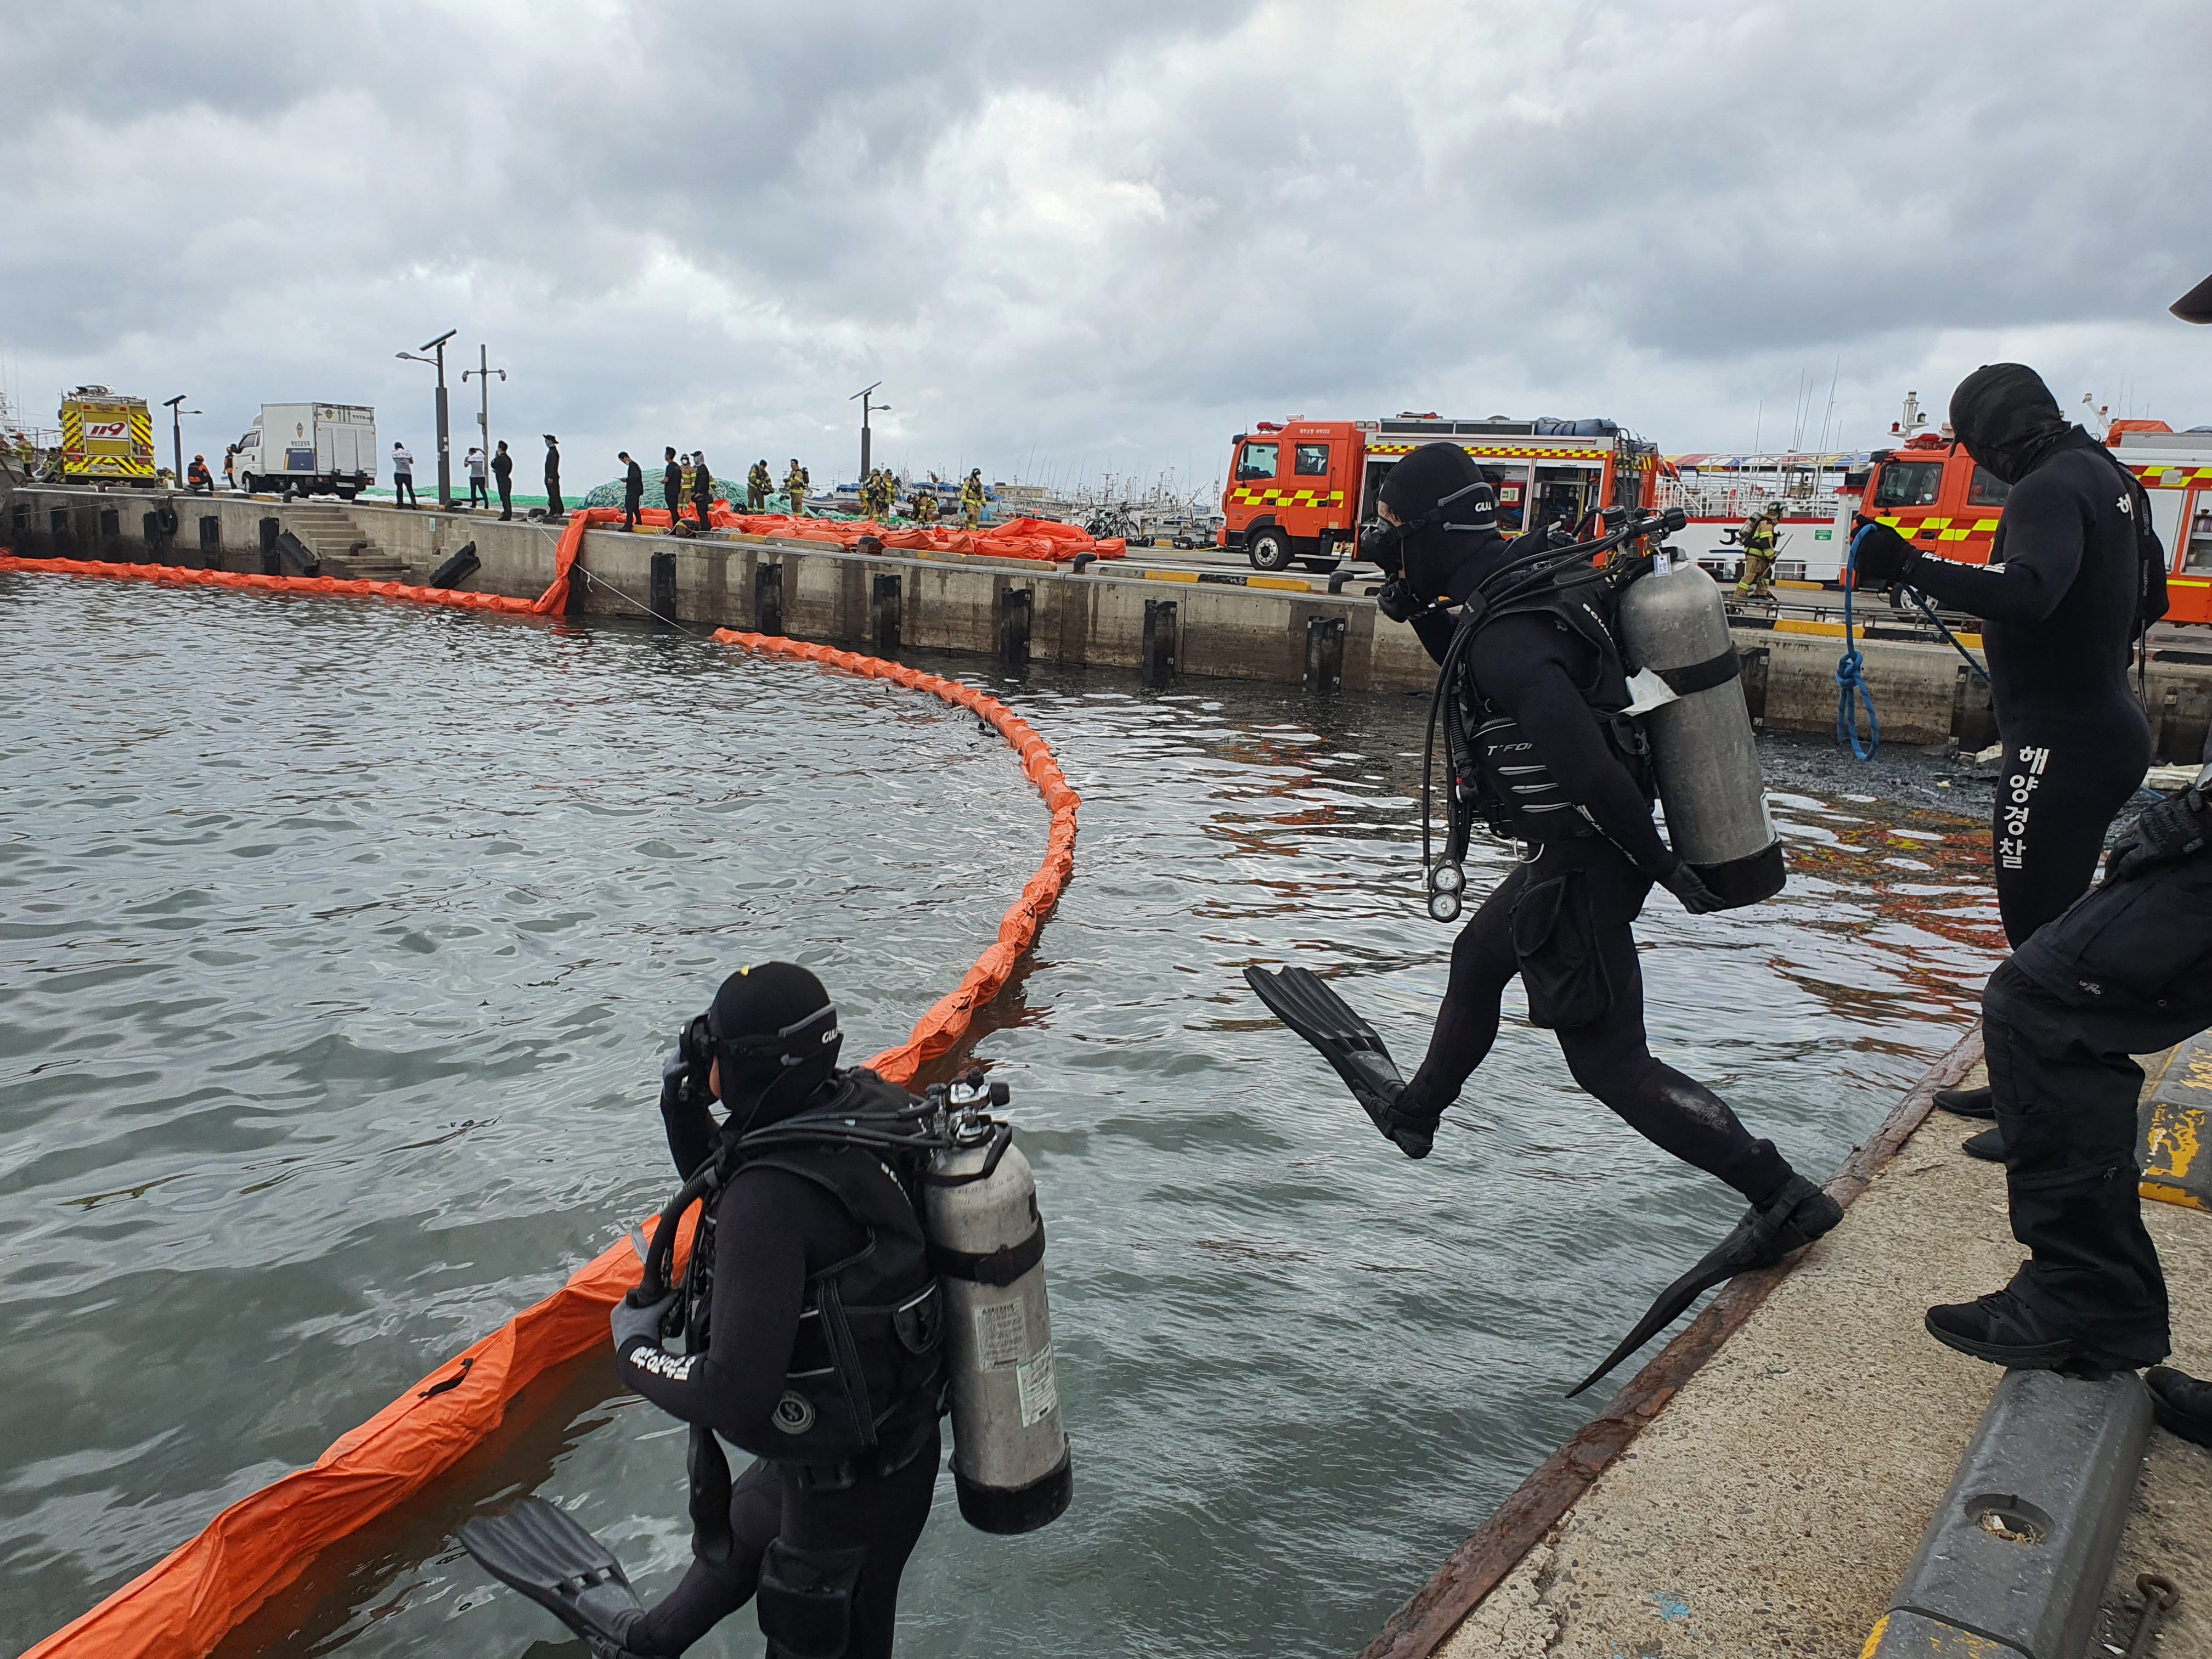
x=1561 y=920
x=2064 y=598
x=821 y=1294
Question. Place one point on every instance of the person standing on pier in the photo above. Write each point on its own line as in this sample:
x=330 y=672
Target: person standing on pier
x=672 y=486
x=702 y=488
x=553 y=507
x=479 y=496
x=794 y=488
x=633 y=489
x=230 y=466
x=758 y=485
x=971 y=500
x=1759 y=544
x=502 y=470
x=403 y=477
x=2067 y=593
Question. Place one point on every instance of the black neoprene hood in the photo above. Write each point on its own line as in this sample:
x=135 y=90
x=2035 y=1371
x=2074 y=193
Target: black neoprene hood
x=2008 y=419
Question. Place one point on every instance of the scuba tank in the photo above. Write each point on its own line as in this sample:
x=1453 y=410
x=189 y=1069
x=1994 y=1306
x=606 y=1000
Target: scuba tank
x=1703 y=756
x=1011 y=1467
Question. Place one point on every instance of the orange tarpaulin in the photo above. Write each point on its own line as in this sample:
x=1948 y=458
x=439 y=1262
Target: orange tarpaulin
x=184 y=1606
x=1045 y=540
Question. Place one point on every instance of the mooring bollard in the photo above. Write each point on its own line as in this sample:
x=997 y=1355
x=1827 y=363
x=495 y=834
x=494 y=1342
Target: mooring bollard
x=767 y=598
x=885 y=604
x=663 y=587
x=210 y=542
x=272 y=562
x=1157 y=665
x=1014 y=626
x=1324 y=652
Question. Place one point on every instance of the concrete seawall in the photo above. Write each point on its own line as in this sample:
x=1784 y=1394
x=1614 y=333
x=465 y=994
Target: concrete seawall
x=1106 y=616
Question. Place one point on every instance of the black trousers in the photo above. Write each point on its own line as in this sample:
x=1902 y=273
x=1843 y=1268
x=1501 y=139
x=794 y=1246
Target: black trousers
x=885 y=1517
x=2127 y=970
x=553 y=507
x=506 y=498
x=402 y=485
x=478 y=495
x=2057 y=794
x=631 y=501
x=1585 y=960
x=699 y=504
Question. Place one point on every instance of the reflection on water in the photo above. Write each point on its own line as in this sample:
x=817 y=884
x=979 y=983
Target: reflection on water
x=343 y=943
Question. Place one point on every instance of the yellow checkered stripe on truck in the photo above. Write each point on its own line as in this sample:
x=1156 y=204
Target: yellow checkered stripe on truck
x=2158 y=476
x=1945 y=529
x=1244 y=496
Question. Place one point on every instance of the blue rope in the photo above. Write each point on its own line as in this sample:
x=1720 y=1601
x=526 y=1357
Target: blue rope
x=1850 y=676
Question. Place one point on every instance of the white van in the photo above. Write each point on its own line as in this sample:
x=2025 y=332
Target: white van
x=313 y=449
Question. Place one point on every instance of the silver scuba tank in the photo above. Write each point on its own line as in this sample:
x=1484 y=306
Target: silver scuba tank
x=1010 y=1464
x=1703 y=752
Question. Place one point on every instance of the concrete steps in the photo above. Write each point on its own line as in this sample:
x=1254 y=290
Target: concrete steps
x=330 y=531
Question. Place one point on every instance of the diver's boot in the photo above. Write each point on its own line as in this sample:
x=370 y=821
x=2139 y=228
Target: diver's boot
x=2181 y=1404
x=1968 y=1103
x=1792 y=1216
x=536 y=1549
x=1989 y=1145
x=2006 y=1331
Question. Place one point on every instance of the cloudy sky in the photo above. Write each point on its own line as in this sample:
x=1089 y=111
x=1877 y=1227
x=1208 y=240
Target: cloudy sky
x=1073 y=239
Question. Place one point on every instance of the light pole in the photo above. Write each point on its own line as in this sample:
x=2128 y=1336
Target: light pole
x=445 y=443
x=177 y=432
x=484 y=372
x=862 y=394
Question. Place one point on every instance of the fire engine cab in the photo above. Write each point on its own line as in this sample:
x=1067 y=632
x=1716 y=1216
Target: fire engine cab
x=1298 y=491
x=1936 y=497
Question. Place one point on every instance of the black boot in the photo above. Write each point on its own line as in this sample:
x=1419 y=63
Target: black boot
x=2006 y=1331
x=2181 y=1404
x=1989 y=1145
x=1968 y=1103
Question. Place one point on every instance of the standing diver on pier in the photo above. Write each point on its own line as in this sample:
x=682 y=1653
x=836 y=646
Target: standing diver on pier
x=2066 y=594
x=1573 y=781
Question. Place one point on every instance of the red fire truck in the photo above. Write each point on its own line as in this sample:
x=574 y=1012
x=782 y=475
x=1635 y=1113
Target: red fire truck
x=1937 y=496
x=1298 y=491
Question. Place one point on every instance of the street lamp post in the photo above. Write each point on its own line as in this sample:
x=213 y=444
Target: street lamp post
x=483 y=372
x=445 y=443
x=862 y=394
x=177 y=432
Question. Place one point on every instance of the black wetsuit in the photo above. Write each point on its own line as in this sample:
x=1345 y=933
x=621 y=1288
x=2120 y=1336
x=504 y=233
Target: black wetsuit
x=773 y=1230
x=2059 y=599
x=1527 y=667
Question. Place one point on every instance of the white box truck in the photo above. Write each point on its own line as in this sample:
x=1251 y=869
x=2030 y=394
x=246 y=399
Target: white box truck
x=313 y=449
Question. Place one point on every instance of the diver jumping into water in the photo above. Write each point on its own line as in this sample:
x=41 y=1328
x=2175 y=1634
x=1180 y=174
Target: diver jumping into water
x=1553 y=757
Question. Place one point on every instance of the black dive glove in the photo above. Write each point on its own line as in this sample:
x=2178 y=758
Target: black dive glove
x=680 y=1086
x=1688 y=885
x=2163 y=834
x=1879 y=554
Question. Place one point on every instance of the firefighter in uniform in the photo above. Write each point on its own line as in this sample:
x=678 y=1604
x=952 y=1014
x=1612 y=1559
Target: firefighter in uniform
x=794 y=488
x=1758 y=546
x=971 y=500
x=758 y=484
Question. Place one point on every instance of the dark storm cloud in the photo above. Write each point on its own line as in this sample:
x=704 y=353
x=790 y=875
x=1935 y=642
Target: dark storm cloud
x=1102 y=237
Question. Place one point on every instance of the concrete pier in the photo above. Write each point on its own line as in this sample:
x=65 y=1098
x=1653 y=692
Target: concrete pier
x=1763 y=1487
x=1111 y=615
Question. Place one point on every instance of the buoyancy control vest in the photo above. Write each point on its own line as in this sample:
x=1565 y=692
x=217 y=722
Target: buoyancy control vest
x=867 y=1375
x=1496 y=770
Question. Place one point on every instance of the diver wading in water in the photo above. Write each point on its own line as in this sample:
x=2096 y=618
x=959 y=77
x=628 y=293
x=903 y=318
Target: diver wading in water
x=1536 y=702
x=852 y=1243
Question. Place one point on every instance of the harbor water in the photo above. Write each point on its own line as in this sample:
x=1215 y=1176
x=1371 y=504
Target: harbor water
x=343 y=943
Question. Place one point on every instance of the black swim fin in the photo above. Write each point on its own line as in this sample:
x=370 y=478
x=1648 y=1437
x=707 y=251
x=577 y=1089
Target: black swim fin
x=1353 y=1049
x=536 y=1549
x=1791 y=1219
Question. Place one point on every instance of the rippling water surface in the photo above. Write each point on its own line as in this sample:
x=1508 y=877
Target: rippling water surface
x=341 y=943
